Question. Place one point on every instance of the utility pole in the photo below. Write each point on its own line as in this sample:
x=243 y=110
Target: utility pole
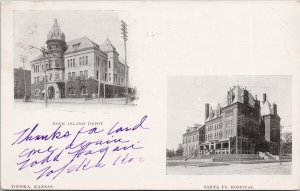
x=280 y=145
x=124 y=36
x=241 y=145
x=23 y=60
x=103 y=68
x=99 y=83
x=45 y=55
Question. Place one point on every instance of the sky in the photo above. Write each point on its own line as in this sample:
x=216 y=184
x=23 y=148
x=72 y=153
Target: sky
x=32 y=27
x=187 y=107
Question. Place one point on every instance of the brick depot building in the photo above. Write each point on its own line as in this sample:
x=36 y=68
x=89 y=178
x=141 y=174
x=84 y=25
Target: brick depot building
x=73 y=69
x=240 y=124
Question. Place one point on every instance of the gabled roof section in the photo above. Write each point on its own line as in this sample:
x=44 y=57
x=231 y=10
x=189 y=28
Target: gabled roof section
x=80 y=44
x=107 y=46
x=266 y=108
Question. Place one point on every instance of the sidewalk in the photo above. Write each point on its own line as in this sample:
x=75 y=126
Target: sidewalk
x=119 y=101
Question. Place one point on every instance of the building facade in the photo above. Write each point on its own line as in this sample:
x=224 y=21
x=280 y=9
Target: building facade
x=73 y=69
x=241 y=124
x=19 y=83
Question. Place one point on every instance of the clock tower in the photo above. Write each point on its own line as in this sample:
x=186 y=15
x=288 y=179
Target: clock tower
x=56 y=46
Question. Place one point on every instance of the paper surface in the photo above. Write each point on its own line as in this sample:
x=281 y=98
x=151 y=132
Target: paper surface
x=180 y=55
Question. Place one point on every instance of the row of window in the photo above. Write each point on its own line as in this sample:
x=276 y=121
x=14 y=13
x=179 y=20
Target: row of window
x=215 y=126
x=40 y=68
x=209 y=137
x=228 y=123
x=83 y=91
x=36 y=79
x=49 y=77
x=83 y=60
x=36 y=68
x=228 y=113
x=194 y=138
x=82 y=74
x=71 y=62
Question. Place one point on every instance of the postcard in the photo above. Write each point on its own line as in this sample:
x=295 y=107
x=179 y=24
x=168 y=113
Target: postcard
x=193 y=95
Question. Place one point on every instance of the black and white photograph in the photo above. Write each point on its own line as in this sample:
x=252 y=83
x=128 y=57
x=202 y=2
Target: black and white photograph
x=155 y=95
x=229 y=125
x=61 y=62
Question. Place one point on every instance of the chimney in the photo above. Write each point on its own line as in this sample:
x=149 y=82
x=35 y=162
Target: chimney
x=206 y=111
x=274 y=109
x=264 y=98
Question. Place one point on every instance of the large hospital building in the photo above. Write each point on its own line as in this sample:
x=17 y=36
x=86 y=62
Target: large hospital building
x=240 y=124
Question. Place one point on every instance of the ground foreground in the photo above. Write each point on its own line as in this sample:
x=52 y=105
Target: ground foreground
x=232 y=169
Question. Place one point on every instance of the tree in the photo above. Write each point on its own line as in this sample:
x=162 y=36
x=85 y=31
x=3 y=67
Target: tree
x=170 y=153
x=286 y=143
x=196 y=152
x=179 y=151
x=261 y=145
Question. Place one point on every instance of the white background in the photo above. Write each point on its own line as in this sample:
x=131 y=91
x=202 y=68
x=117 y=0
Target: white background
x=166 y=39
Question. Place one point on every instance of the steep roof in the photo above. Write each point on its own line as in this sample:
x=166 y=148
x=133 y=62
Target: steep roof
x=107 y=46
x=266 y=108
x=80 y=44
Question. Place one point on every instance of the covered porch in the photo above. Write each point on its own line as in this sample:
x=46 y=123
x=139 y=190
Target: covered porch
x=215 y=147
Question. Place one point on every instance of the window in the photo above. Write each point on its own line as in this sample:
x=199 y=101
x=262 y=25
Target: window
x=97 y=74
x=76 y=45
x=86 y=60
x=85 y=74
x=80 y=61
x=73 y=62
x=73 y=75
x=56 y=76
x=105 y=76
x=71 y=91
x=81 y=74
x=84 y=90
x=108 y=64
x=69 y=75
x=37 y=92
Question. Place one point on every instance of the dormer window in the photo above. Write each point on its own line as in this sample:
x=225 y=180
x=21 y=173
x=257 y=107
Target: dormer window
x=76 y=45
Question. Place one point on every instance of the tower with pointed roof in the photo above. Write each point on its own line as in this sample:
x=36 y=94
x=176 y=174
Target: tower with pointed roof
x=271 y=124
x=56 y=46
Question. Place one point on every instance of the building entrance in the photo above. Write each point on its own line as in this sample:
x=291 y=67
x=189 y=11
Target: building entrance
x=51 y=92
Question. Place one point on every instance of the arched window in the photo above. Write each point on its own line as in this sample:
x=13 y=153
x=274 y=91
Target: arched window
x=84 y=90
x=71 y=91
x=37 y=92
